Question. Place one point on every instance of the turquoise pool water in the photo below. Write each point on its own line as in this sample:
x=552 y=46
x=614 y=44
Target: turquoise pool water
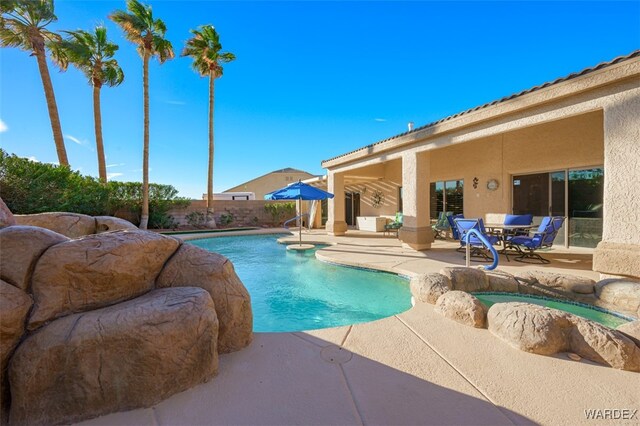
x=295 y=292
x=584 y=311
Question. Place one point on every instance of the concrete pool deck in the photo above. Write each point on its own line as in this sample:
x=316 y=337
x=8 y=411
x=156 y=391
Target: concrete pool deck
x=416 y=367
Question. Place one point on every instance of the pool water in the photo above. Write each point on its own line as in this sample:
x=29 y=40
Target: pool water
x=584 y=311
x=294 y=291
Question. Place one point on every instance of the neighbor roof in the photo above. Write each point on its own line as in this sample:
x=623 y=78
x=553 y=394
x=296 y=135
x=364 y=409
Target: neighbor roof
x=585 y=71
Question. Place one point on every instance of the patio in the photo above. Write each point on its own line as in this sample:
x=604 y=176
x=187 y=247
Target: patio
x=413 y=368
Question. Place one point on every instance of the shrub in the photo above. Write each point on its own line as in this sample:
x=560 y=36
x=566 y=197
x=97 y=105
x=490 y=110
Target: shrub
x=29 y=187
x=280 y=211
x=226 y=218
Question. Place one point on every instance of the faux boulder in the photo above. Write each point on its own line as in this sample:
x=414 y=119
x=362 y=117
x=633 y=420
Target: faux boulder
x=546 y=331
x=110 y=223
x=193 y=266
x=620 y=293
x=466 y=279
x=72 y=225
x=462 y=307
x=570 y=283
x=14 y=307
x=96 y=271
x=603 y=345
x=6 y=217
x=530 y=328
x=20 y=248
x=429 y=287
x=631 y=330
x=125 y=356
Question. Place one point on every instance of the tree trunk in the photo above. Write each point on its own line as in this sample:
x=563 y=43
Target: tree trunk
x=97 y=120
x=144 y=218
x=210 y=169
x=51 y=106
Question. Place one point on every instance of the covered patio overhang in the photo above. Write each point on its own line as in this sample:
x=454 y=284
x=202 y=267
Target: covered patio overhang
x=585 y=122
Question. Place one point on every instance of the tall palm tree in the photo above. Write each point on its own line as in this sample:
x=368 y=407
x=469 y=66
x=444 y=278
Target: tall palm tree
x=23 y=25
x=92 y=54
x=148 y=34
x=205 y=50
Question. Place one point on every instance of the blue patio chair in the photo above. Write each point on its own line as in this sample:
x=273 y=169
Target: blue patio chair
x=542 y=238
x=515 y=219
x=441 y=226
x=477 y=246
x=454 y=229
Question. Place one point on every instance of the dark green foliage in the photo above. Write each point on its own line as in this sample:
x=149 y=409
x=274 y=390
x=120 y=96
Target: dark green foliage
x=30 y=187
x=281 y=211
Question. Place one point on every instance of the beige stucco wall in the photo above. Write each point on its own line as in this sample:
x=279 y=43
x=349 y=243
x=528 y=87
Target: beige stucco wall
x=574 y=142
x=270 y=182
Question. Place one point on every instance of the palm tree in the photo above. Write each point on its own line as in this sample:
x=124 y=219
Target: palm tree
x=205 y=50
x=93 y=55
x=148 y=34
x=23 y=25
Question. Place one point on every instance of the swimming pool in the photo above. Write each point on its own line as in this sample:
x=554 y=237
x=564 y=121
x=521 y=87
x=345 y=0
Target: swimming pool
x=294 y=291
x=595 y=314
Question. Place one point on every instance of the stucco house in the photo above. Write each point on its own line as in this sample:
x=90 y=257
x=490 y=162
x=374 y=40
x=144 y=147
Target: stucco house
x=271 y=181
x=569 y=147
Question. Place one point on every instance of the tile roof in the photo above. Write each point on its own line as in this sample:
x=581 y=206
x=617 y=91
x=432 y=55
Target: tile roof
x=585 y=71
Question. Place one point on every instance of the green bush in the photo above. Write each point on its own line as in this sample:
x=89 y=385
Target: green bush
x=29 y=187
x=226 y=218
x=280 y=211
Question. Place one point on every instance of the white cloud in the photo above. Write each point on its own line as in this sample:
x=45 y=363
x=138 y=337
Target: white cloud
x=380 y=120
x=74 y=139
x=33 y=159
x=112 y=175
x=3 y=127
x=115 y=165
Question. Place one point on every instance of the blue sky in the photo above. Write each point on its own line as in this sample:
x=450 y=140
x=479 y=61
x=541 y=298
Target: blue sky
x=312 y=80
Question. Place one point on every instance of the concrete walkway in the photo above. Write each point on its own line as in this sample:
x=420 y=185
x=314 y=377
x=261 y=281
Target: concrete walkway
x=413 y=368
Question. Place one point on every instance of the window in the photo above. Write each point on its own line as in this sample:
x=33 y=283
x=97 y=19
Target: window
x=446 y=197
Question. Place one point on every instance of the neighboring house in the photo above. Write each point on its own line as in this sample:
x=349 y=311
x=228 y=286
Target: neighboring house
x=570 y=147
x=271 y=181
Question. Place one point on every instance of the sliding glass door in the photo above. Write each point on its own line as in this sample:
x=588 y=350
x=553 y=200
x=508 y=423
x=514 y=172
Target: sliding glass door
x=574 y=194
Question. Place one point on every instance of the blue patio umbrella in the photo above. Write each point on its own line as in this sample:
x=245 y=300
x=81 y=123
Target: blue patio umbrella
x=298 y=191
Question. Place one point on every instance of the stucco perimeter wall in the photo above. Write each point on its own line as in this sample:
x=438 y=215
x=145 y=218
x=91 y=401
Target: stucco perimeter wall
x=569 y=143
x=244 y=212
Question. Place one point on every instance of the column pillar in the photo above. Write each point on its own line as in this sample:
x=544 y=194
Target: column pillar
x=416 y=230
x=336 y=224
x=619 y=251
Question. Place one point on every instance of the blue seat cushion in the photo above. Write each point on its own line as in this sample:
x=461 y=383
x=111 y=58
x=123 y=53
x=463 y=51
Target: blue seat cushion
x=475 y=241
x=528 y=242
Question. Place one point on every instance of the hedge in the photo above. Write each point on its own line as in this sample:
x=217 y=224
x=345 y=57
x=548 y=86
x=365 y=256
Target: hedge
x=29 y=187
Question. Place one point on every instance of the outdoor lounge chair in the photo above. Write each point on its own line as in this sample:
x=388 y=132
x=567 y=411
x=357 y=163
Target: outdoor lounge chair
x=478 y=248
x=441 y=226
x=454 y=229
x=395 y=225
x=542 y=238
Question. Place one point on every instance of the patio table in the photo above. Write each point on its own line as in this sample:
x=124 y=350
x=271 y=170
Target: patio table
x=502 y=231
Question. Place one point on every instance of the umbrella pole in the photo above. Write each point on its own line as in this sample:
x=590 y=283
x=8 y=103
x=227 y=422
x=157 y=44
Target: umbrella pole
x=300 y=220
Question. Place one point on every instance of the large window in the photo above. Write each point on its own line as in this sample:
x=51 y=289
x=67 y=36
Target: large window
x=446 y=197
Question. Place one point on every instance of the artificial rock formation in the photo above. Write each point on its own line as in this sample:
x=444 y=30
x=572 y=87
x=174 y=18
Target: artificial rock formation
x=72 y=225
x=569 y=283
x=620 y=293
x=545 y=331
x=87 y=327
x=192 y=266
x=133 y=354
x=96 y=271
x=462 y=307
x=6 y=217
x=466 y=279
x=20 y=248
x=429 y=287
